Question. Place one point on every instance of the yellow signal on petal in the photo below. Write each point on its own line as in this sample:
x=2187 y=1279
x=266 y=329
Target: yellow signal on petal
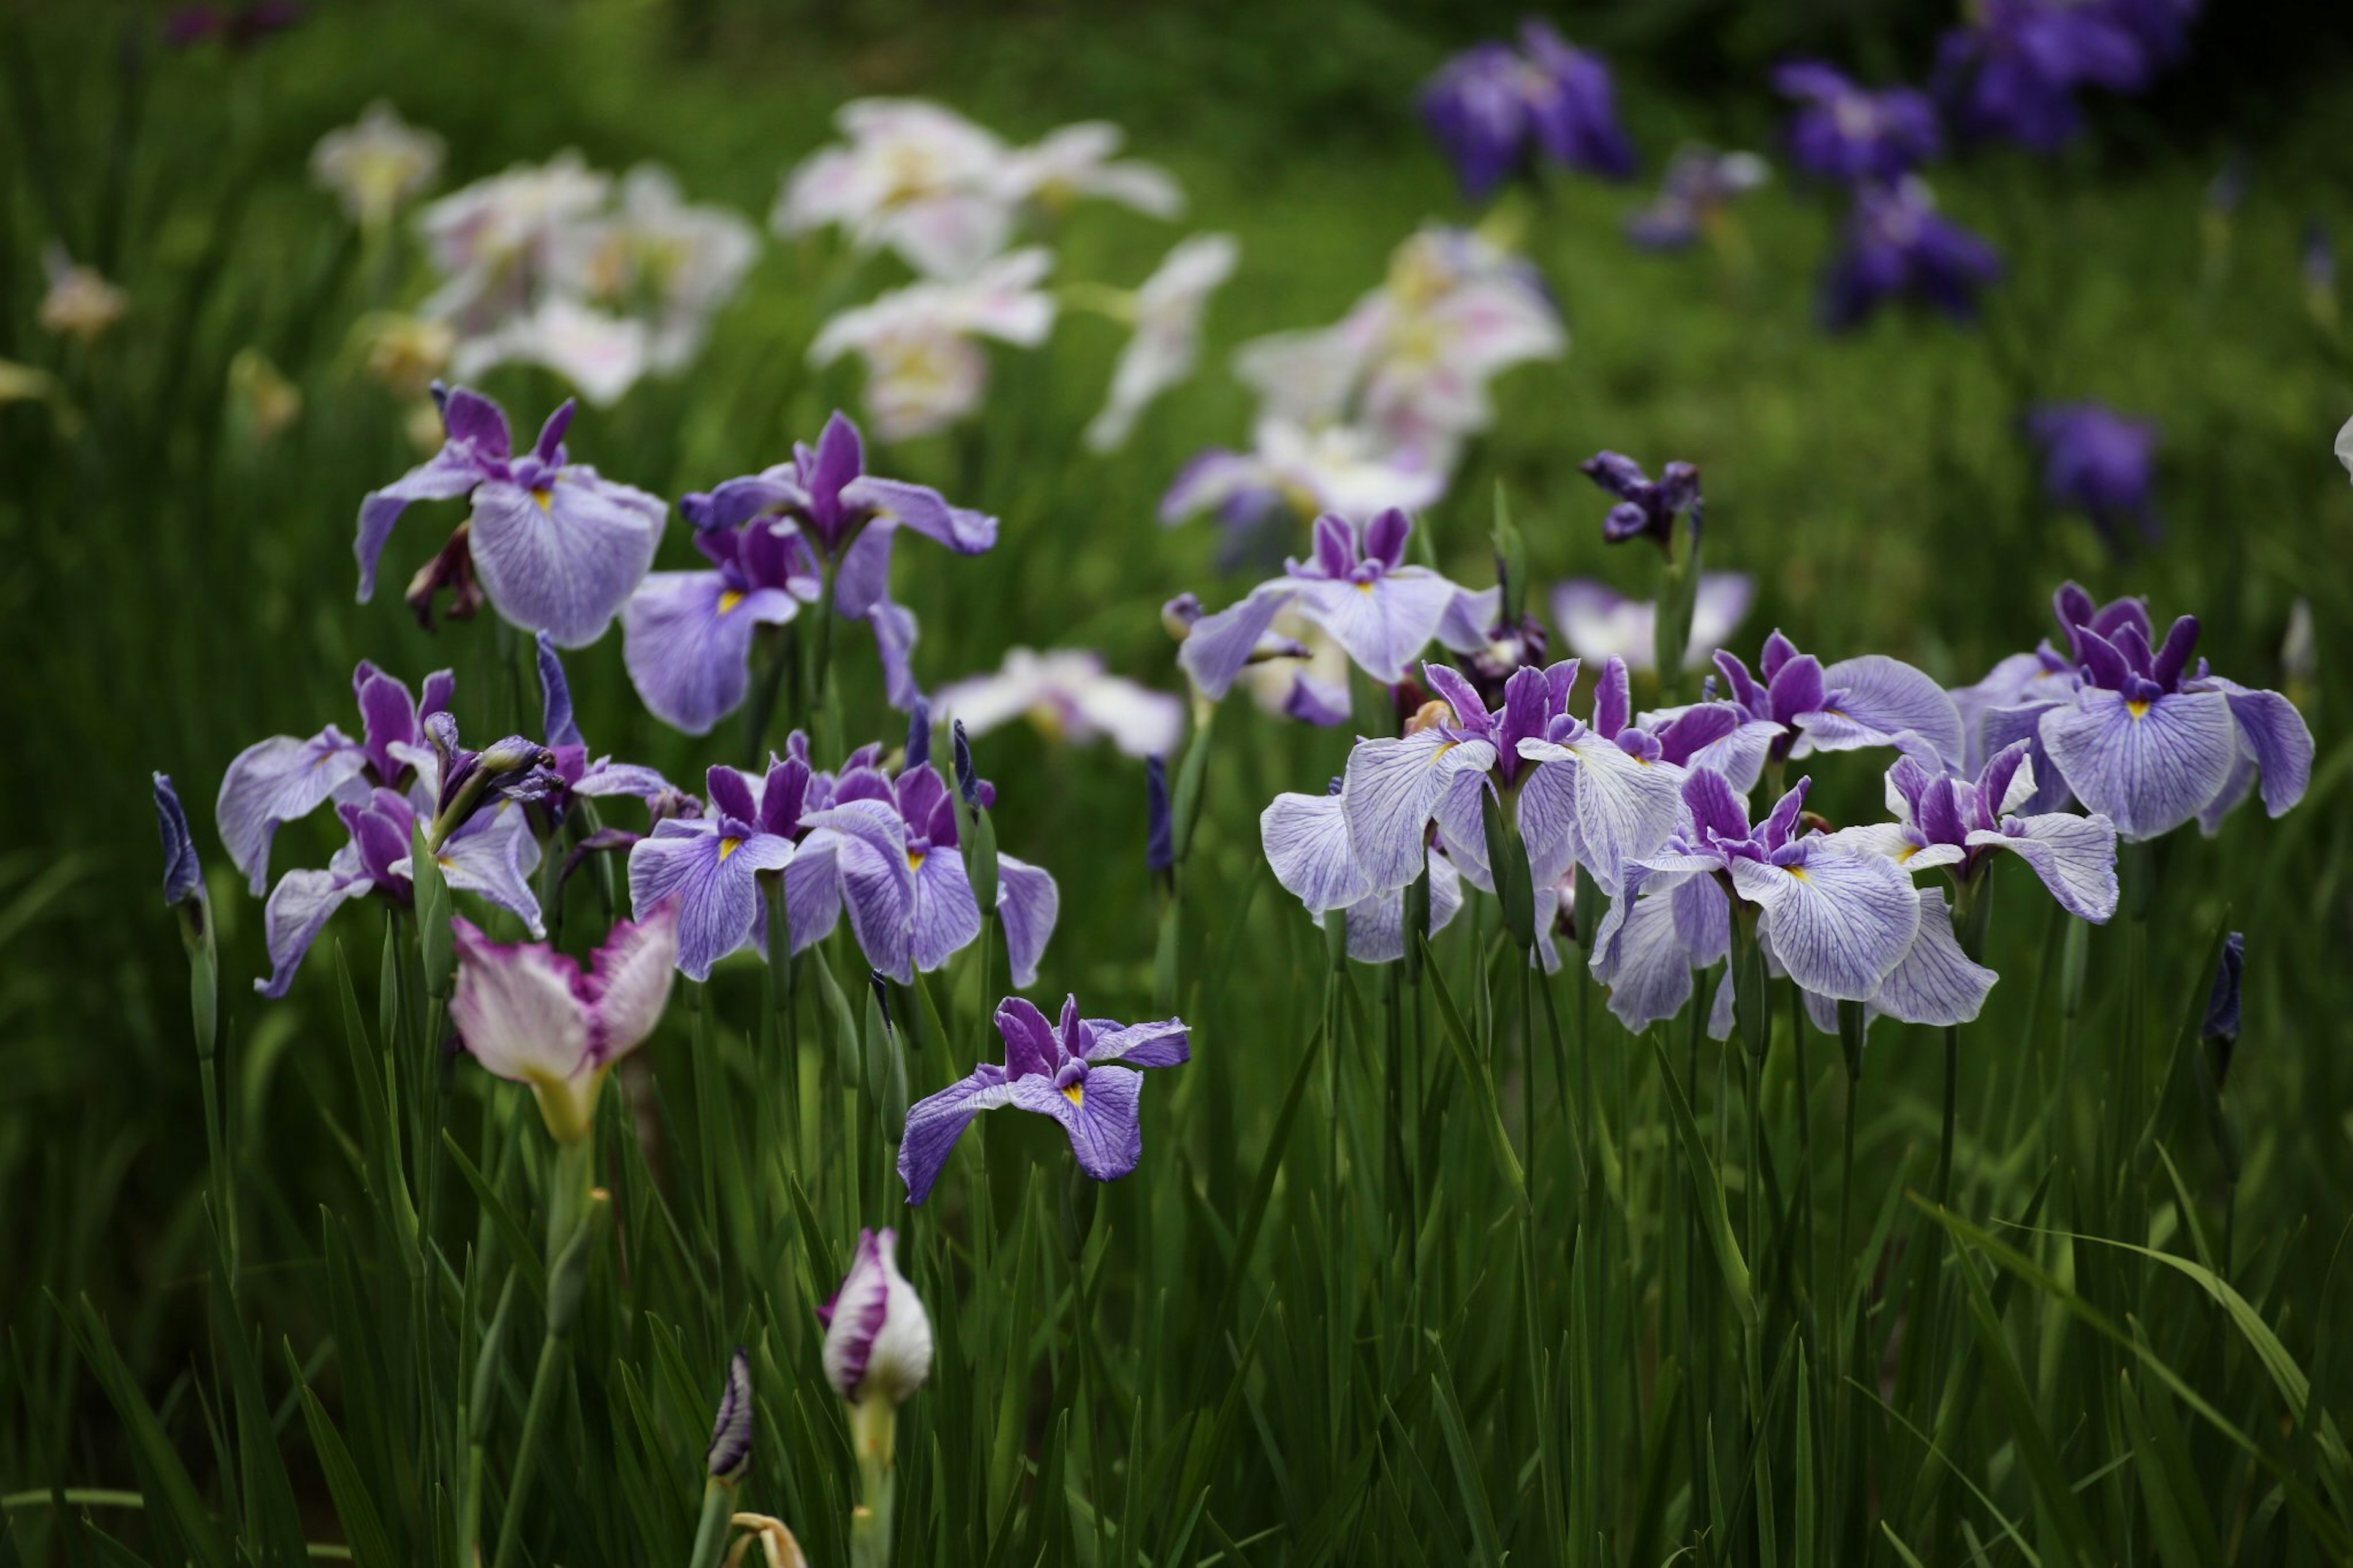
x=2138 y=708
x=728 y=847
x=1076 y=1094
x=544 y=497
x=729 y=600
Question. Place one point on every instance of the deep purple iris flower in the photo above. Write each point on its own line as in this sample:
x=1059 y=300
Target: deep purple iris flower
x=1495 y=111
x=2012 y=73
x=1646 y=508
x=2135 y=731
x=885 y=848
x=1846 y=132
x=1945 y=819
x=184 y=875
x=1898 y=247
x=2099 y=461
x=1356 y=586
x=773 y=539
x=1085 y=1074
x=556 y=548
x=1873 y=701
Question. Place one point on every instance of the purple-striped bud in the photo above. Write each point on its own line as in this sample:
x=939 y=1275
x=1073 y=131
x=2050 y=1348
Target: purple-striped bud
x=183 y=877
x=878 y=1338
x=730 y=1430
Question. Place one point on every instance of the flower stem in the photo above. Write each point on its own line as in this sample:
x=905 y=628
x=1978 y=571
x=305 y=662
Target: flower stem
x=711 y=1530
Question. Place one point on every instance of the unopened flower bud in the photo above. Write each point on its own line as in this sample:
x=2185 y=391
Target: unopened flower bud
x=878 y=1338
x=730 y=1429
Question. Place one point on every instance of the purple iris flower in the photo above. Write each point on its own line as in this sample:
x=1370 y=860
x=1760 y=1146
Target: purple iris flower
x=2136 y=732
x=1084 y=1074
x=2014 y=72
x=775 y=537
x=1356 y=586
x=1645 y=509
x=885 y=848
x=1943 y=819
x=571 y=764
x=184 y=875
x=1873 y=701
x=2099 y=461
x=1845 y=131
x=285 y=778
x=558 y=548
x=1843 y=923
x=1494 y=110
x=1700 y=184
x=1306 y=841
x=491 y=853
x=1898 y=247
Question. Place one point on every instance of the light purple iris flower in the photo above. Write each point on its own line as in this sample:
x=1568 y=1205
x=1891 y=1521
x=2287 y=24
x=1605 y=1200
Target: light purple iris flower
x=878 y=1338
x=1899 y=246
x=1084 y=1074
x=1873 y=701
x=491 y=853
x=770 y=534
x=1843 y=923
x=1306 y=841
x=2014 y=72
x=558 y=548
x=1846 y=132
x=1942 y=819
x=2136 y=732
x=1494 y=109
x=2099 y=461
x=1356 y=586
x=1596 y=621
x=1699 y=184
x=285 y=778
x=884 y=848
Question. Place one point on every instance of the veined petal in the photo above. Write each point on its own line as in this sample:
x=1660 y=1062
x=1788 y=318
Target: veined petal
x=2074 y=856
x=564 y=564
x=1307 y=843
x=1218 y=646
x=487 y=856
x=2280 y=741
x=714 y=878
x=1644 y=963
x=629 y=982
x=1702 y=919
x=451 y=473
x=1166 y=1044
x=944 y=917
x=937 y=1122
x=1888 y=697
x=877 y=881
x=1935 y=983
x=1385 y=624
x=1839 y=922
x=276 y=780
x=2149 y=770
x=686 y=637
x=1391 y=790
x=1547 y=822
x=298 y=911
x=1625 y=808
x=813 y=891
x=1028 y=901
x=1105 y=1123
x=1377 y=921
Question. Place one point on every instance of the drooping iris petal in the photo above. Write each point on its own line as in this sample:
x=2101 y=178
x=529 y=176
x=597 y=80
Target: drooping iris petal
x=1883 y=698
x=944 y=917
x=452 y=472
x=299 y=909
x=937 y=1122
x=1308 y=848
x=2074 y=856
x=2275 y=735
x=924 y=510
x=1935 y=983
x=1839 y=922
x=686 y=637
x=2149 y=767
x=564 y=558
x=275 y=780
x=1028 y=901
x=878 y=884
x=1625 y=808
x=1384 y=624
x=1393 y=787
x=1100 y=1113
x=1640 y=955
x=1166 y=1044
x=712 y=873
x=493 y=855
x=1377 y=921
x=1218 y=646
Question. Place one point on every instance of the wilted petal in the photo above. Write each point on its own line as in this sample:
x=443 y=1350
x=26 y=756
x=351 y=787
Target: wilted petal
x=564 y=558
x=1028 y=902
x=2149 y=770
x=1935 y=983
x=1307 y=845
x=1392 y=789
x=686 y=637
x=279 y=780
x=1839 y=922
x=2074 y=856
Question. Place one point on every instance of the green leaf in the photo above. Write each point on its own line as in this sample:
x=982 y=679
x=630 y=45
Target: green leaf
x=1716 y=1222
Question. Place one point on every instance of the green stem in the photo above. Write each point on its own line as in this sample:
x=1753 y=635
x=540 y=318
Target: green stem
x=535 y=1429
x=711 y=1530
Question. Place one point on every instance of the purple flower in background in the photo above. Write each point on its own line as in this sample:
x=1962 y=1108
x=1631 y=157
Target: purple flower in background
x=2221 y=1028
x=528 y=1015
x=885 y=848
x=1494 y=110
x=556 y=548
x=1356 y=586
x=1898 y=247
x=1084 y=1073
x=820 y=513
x=1701 y=183
x=238 y=26
x=878 y=1338
x=284 y=778
x=2099 y=461
x=1845 y=131
x=2014 y=72
x=1645 y=509
x=2150 y=740
x=1598 y=622
x=1943 y=819
x=1873 y=701
x=184 y=875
